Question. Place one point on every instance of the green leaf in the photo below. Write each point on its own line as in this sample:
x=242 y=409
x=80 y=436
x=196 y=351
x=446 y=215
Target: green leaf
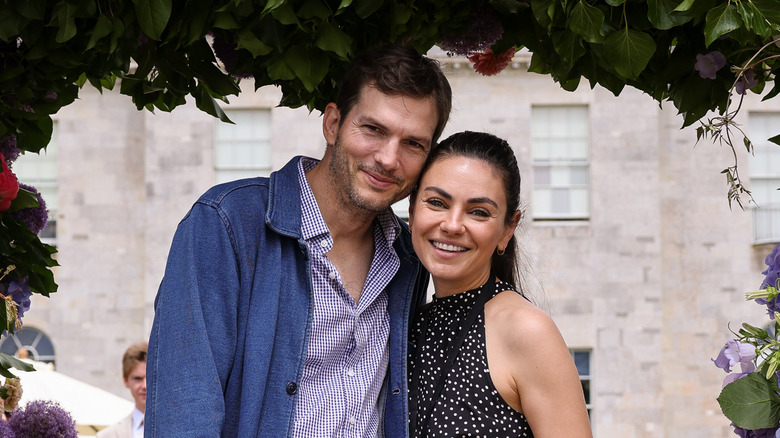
x=10 y=24
x=314 y=9
x=615 y=2
x=103 y=28
x=628 y=52
x=586 y=21
x=8 y=361
x=272 y=4
x=153 y=16
x=364 y=8
x=66 y=22
x=775 y=139
x=206 y=103
x=279 y=70
x=32 y=9
x=543 y=11
x=770 y=9
x=344 y=4
x=24 y=199
x=661 y=14
x=332 y=39
x=285 y=14
x=753 y=18
x=684 y=5
x=225 y=20
x=247 y=40
x=720 y=21
x=310 y=65
x=36 y=134
x=567 y=45
x=751 y=402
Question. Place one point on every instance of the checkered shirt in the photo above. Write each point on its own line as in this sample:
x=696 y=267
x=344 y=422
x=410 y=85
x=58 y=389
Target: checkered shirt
x=347 y=354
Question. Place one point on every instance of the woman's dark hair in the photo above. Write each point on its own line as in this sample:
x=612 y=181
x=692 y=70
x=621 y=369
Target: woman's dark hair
x=397 y=71
x=497 y=153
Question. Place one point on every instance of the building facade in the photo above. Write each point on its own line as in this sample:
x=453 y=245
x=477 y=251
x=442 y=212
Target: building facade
x=628 y=240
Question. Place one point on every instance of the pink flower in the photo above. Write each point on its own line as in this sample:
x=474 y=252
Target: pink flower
x=9 y=186
x=489 y=64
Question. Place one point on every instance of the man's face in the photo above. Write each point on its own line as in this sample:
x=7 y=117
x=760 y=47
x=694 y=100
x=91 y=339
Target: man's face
x=376 y=153
x=136 y=383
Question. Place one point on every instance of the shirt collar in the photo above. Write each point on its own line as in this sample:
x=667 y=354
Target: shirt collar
x=138 y=416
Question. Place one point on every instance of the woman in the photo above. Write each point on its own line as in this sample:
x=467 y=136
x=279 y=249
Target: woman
x=484 y=361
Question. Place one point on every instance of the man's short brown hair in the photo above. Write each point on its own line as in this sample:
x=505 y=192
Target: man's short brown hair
x=135 y=353
x=397 y=71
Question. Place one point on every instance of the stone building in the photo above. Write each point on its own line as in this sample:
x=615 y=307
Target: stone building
x=628 y=239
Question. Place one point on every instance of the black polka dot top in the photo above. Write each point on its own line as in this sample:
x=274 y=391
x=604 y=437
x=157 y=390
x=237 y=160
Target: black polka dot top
x=469 y=405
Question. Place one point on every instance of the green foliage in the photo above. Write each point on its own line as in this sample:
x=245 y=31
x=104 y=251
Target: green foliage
x=160 y=52
x=752 y=402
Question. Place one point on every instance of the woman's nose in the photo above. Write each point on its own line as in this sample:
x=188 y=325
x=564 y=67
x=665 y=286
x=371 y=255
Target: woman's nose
x=452 y=223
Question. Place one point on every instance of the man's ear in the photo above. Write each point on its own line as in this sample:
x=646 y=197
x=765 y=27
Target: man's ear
x=331 y=119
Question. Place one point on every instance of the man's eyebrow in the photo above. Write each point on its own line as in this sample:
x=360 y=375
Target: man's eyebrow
x=372 y=121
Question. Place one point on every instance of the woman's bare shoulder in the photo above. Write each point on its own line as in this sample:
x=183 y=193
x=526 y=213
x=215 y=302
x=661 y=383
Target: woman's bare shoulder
x=511 y=315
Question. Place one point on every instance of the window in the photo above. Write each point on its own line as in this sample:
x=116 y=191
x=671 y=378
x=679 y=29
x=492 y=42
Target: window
x=38 y=345
x=559 y=149
x=401 y=208
x=40 y=171
x=765 y=176
x=243 y=150
x=582 y=361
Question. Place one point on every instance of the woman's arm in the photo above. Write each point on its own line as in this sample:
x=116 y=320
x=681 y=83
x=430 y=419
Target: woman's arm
x=532 y=368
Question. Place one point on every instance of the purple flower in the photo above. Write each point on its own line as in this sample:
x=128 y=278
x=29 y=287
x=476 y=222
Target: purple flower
x=771 y=306
x=483 y=30
x=20 y=292
x=34 y=218
x=772 y=272
x=227 y=52
x=758 y=433
x=746 y=82
x=8 y=148
x=6 y=431
x=709 y=64
x=735 y=352
x=43 y=418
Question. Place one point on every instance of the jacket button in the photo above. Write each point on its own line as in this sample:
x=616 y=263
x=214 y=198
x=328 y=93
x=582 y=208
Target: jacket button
x=292 y=388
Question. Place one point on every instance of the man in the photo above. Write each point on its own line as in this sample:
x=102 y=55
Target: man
x=286 y=300
x=134 y=376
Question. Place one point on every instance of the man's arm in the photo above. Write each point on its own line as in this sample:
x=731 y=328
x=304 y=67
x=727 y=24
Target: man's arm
x=192 y=343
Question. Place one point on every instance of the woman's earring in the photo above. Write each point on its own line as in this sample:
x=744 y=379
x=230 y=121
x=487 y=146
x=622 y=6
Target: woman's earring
x=500 y=251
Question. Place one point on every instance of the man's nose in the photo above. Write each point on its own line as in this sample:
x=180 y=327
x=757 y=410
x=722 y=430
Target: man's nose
x=388 y=154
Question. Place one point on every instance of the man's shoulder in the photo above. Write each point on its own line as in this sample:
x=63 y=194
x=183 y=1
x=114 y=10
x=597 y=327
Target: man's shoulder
x=120 y=429
x=239 y=190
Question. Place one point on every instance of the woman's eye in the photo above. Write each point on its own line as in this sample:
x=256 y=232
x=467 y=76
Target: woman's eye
x=434 y=202
x=480 y=213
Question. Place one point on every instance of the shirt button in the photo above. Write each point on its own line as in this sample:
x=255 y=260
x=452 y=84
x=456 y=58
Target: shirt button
x=351 y=373
x=352 y=421
x=332 y=275
x=292 y=388
x=324 y=243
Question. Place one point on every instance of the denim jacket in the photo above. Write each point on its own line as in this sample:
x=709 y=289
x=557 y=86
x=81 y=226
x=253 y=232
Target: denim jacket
x=233 y=315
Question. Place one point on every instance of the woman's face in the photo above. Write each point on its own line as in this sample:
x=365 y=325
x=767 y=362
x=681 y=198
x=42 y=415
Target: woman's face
x=458 y=221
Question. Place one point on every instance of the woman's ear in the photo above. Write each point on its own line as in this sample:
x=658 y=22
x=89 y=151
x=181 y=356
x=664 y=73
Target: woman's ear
x=509 y=231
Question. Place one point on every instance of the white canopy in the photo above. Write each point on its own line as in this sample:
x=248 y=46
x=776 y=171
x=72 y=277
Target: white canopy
x=91 y=407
